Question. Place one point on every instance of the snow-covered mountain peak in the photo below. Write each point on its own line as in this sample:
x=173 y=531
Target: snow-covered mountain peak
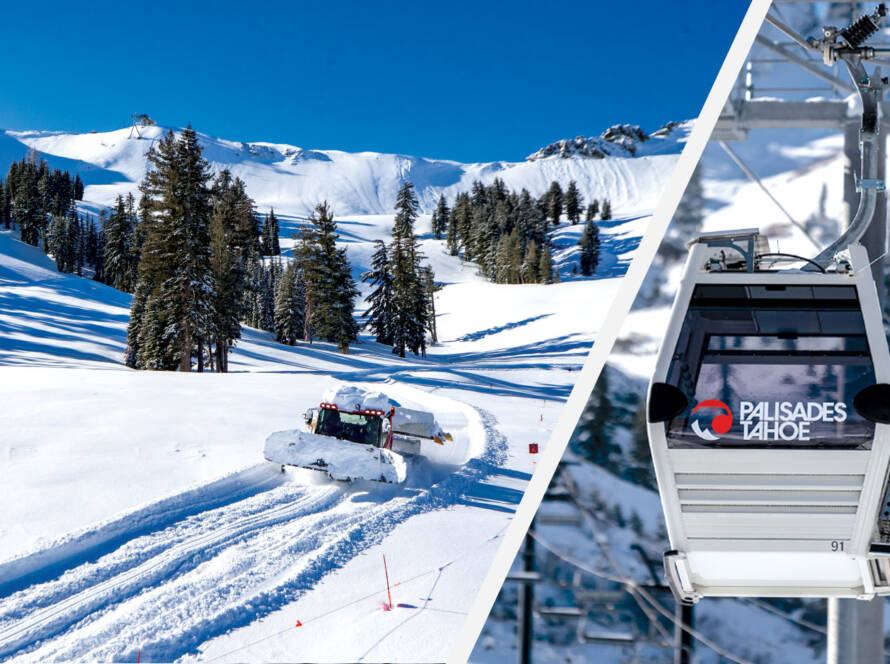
x=293 y=179
x=620 y=140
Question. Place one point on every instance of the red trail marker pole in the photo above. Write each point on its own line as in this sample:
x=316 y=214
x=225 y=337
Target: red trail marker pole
x=138 y=657
x=388 y=594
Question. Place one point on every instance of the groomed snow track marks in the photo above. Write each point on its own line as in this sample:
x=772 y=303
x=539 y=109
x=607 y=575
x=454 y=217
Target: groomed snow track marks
x=186 y=587
x=50 y=608
x=95 y=540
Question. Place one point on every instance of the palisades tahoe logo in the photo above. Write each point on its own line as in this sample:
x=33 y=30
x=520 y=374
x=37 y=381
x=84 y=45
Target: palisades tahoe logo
x=721 y=419
x=766 y=420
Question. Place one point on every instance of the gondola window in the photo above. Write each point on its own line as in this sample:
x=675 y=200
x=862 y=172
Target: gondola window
x=771 y=367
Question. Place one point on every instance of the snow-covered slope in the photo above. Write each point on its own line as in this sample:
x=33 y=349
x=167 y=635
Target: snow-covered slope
x=136 y=512
x=294 y=179
x=112 y=507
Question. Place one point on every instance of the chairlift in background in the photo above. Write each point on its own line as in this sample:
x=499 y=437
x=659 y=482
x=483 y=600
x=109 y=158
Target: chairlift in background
x=139 y=121
x=768 y=419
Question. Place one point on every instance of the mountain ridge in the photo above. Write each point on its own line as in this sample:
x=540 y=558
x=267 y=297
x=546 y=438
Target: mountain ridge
x=294 y=179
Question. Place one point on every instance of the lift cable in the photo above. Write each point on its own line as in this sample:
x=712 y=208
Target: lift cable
x=603 y=545
x=790 y=617
x=631 y=583
x=753 y=177
x=633 y=587
x=769 y=608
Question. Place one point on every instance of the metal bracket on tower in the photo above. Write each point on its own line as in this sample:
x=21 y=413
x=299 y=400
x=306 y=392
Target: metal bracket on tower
x=845 y=43
x=878 y=185
x=747 y=242
x=846 y=46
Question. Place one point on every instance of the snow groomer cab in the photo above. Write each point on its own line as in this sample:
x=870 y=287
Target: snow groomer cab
x=768 y=418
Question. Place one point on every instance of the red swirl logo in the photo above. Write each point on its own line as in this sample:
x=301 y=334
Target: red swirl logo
x=721 y=421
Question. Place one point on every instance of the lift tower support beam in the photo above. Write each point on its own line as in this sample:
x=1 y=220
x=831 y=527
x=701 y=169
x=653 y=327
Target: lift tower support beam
x=527 y=600
x=856 y=627
x=855 y=631
x=875 y=238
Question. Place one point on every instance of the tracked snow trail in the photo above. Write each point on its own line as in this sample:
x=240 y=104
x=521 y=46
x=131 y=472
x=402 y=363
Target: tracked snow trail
x=145 y=561
x=168 y=591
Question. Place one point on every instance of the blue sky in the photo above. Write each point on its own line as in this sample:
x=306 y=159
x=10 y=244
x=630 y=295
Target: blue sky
x=458 y=80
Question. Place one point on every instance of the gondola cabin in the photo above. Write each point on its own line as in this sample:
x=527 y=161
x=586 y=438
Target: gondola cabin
x=768 y=421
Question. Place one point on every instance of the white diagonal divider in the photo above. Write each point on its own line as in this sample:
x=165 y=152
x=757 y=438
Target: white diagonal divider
x=605 y=339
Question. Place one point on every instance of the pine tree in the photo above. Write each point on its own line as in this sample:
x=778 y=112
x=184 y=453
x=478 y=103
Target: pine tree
x=606 y=212
x=479 y=194
x=442 y=217
x=44 y=204
x=4 y=206
x=452 y=238
x=27 y=203
x=97 y=240
x=255 y=279
x=545 y=266
x=56 y=241
x=175 y=262
x=137 y=318
x=429 y=289
x=380 y=313
x=462 y=215
x=289 y=302
x=262 y=284
x=595 y=437
x=509 y=259
x=120 y=259
x=272 y=277
x=554 y=202
x=234 y=245
x=502 y=261
x=487 y=244
x=528 y=220
x=76 y=240
x=503 y=216
x=330 y=289
x=271 y=246
x=590 y=249
x=481 y=237
x=64 y=241
x=409 y=303
x=92 y=242
x=229 y=278
x=574 y=200
x=529 y=269
x=592 y=210
x=157 y=342
x=78 y=188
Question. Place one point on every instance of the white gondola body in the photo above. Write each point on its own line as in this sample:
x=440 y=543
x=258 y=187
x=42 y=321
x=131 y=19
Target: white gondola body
x=772 y=520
